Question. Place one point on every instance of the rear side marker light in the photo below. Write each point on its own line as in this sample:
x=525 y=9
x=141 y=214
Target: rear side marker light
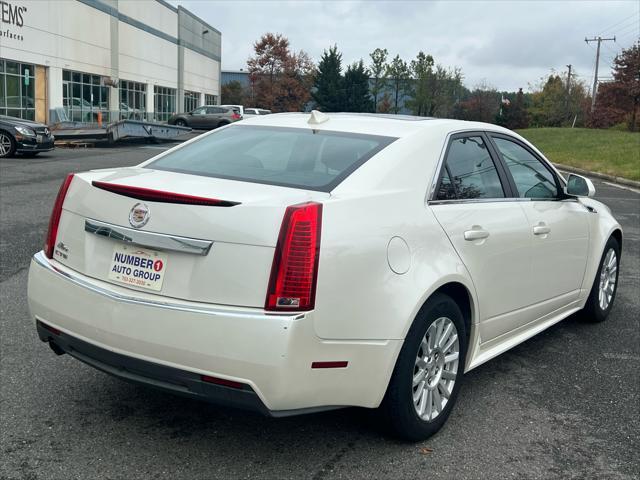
x=294 y=273
x=221 y=381
x=56 y=213
x=152 y=195
x=338 y=364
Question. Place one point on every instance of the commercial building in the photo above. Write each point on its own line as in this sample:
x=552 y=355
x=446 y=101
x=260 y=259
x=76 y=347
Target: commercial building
x=241 y=76
x=85 y=60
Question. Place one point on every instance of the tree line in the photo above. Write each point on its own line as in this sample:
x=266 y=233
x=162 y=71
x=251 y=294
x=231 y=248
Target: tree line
x=281 y=79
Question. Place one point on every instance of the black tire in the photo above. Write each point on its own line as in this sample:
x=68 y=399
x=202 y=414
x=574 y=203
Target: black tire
x=181 y=123
x=397 y=408
x=12 y=144
x=222 y=124
x=593 y=311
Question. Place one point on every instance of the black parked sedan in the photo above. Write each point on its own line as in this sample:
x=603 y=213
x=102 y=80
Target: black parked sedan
x=23 y=136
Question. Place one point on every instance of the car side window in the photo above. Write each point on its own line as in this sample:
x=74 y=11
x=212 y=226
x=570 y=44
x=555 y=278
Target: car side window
x=199 y=111
x=532 y=178
x=469 y=171
x=213 y=110
x=446 y=190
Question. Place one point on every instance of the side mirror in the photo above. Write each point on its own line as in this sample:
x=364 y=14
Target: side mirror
x=579 y=186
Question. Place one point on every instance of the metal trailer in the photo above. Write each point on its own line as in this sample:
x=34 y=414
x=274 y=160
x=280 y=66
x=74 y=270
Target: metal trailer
x=139 y=129
x=118 y=131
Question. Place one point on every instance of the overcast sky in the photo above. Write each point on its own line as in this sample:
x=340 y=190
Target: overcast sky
x=507 y=44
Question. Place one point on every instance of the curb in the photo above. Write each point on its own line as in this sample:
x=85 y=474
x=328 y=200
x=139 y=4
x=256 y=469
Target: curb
x=601 y=176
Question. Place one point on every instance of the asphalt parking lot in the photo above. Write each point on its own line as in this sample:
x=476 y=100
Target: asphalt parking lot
x=565 y=404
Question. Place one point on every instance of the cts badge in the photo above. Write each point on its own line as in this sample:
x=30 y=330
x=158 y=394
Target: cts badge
x=139 y=215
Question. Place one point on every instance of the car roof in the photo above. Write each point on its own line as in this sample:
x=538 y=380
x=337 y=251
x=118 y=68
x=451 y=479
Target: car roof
x=371 y=123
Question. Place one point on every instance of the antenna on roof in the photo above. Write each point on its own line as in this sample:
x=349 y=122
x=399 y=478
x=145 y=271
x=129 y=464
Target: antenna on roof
x=317 y=117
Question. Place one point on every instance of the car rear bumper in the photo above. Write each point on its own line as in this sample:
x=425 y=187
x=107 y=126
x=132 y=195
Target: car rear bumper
x=172 y=344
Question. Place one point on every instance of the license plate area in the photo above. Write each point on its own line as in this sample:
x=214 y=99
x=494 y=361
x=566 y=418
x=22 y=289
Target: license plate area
x=138 y=267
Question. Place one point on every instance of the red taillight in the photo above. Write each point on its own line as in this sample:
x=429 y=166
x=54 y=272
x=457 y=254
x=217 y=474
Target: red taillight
x=236 y=116
x=152 y=195
x=52 y=232
x=292 y=286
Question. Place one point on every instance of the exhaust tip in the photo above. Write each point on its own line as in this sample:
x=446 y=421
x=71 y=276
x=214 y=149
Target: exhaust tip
x=56 y=349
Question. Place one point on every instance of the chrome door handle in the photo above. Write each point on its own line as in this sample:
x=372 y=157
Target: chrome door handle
x=471 y=235
x=541 y=230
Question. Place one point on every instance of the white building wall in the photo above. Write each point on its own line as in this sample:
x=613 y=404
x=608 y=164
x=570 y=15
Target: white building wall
x=201 y=74
x=147 y=58
x=151 y=13
x=54 y=36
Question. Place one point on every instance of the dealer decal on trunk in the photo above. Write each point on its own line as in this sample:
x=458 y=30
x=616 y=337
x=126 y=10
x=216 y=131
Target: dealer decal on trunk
x=138 y=267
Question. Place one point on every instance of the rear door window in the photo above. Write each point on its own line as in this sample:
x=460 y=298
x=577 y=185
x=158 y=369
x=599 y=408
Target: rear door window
x=469 y=171
x=292 y=157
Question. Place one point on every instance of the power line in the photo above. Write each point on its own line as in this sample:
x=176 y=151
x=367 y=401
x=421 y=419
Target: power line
x=595 y=75
x=628 y=29
x=624 y=20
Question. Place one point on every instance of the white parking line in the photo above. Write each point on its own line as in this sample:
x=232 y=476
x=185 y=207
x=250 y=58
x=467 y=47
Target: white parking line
x=624 y=187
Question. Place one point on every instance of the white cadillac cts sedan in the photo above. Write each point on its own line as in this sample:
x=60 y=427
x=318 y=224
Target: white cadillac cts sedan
x=294 y=263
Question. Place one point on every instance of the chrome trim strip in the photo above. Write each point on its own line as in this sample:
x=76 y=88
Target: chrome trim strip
x=148 y=239
x=479 y=200
x=41 y=260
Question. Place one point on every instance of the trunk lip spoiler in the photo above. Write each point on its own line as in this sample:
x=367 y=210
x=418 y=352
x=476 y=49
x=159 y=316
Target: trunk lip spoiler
x=161 y=196
x=160 y=241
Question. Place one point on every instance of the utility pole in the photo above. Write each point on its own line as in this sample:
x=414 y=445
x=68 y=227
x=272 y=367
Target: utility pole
x=595 y=76
x=568 y=96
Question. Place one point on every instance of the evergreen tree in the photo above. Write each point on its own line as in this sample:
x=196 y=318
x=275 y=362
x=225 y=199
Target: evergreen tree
x=329 y=93
x=399 y=77
x=513 y=112
x=378 y=69
x=356 y=85
x=422 y=72
x=233 y=93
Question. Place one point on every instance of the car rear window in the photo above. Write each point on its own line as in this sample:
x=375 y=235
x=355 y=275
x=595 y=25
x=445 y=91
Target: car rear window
x=290 y=157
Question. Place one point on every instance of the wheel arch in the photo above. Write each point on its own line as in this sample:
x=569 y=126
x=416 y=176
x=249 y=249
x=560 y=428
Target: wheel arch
x=617 y=234
x=464 y=296
x=462 y=292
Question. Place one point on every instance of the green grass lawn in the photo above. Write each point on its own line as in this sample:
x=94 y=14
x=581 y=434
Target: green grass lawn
x=606 y=151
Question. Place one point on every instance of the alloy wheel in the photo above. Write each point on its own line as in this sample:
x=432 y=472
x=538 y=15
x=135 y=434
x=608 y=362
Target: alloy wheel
x=436 y=368
x=608 y=277
x=5 y=145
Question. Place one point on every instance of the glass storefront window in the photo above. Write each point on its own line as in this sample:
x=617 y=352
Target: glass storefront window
x=164 y=102
x=210 y=99
x=84 y=96
x=191 y=100
x=133 y=100
x=17 y=89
